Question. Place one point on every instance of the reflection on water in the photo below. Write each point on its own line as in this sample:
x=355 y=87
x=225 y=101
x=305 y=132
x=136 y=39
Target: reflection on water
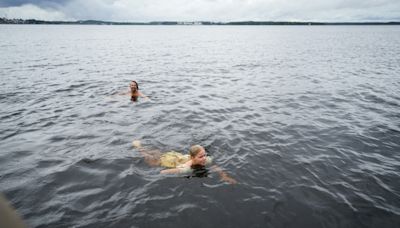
x=306 y=118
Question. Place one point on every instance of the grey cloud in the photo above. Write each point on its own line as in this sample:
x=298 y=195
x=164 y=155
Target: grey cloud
x=40 y=3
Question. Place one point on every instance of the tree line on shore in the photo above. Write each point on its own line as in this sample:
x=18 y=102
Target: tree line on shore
x=97 y=22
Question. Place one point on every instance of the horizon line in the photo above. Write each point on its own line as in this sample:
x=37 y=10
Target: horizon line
x=194 y=22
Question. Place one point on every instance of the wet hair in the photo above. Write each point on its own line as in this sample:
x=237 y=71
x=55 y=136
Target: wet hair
x=137 y=85
x=194 y=150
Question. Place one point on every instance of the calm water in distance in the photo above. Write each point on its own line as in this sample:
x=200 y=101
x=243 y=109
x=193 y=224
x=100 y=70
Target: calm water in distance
x=305 y=118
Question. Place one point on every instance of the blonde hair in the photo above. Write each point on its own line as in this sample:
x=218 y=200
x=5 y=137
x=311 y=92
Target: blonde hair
x=194 y=150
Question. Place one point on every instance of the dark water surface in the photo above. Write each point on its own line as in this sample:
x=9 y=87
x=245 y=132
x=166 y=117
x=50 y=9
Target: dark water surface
x=305 y=118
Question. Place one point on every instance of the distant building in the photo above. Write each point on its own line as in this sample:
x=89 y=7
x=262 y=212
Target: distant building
x=190 y=23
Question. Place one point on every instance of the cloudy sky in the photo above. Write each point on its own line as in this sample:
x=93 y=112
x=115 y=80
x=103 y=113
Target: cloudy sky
x=204 y=10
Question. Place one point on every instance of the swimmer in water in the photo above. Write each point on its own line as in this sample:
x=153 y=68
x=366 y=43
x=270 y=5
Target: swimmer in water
x=134 y=91
x=195 y=163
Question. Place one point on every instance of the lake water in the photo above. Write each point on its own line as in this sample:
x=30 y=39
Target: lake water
x=305 y=118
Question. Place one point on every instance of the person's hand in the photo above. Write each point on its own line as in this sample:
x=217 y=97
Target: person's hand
x=230 y=180
x=136 y=143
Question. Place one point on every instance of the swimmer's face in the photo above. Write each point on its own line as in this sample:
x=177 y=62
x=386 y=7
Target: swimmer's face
x=133 y=86
x=200 y=158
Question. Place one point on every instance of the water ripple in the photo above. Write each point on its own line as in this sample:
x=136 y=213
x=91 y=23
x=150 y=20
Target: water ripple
x=311 y=135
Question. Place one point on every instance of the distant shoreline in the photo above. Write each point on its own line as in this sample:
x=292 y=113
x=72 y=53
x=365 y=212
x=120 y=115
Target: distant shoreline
x=96 y=22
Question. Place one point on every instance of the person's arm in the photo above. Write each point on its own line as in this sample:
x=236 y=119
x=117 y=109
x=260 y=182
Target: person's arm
x=224 y=176
x=119 y=94
x=124 y=93
x=170 y=171
x=143 y=96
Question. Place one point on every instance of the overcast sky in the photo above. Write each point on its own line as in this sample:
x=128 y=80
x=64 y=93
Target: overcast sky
x=204 y=10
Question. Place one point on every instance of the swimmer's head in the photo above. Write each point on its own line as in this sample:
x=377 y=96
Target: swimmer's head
x=198 y=155
x=134 y=86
